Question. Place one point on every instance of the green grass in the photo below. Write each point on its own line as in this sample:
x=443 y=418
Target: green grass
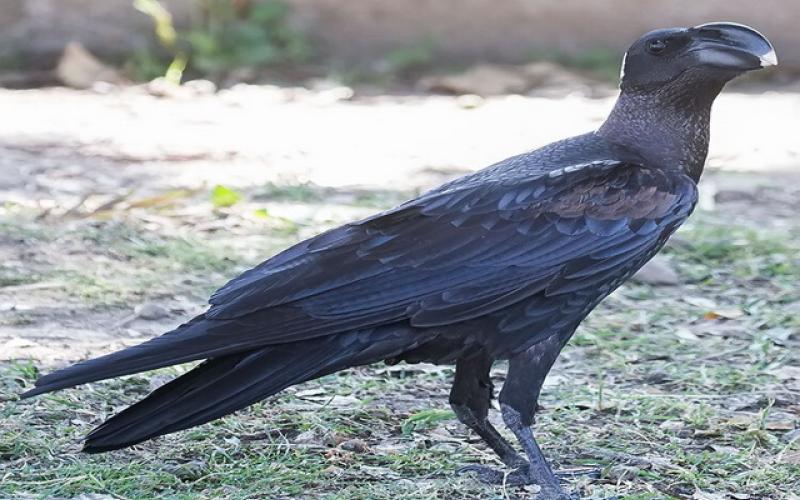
x=134 y=261
x=662 y=394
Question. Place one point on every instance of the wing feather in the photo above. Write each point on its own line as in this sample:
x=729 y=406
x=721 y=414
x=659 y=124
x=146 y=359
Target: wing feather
x=462 y=252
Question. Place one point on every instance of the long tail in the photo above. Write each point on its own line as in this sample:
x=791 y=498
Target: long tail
x=224 y=384
x=213 y=389
x=189 y=342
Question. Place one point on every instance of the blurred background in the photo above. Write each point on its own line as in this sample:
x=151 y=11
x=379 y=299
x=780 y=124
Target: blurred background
x=150 y=150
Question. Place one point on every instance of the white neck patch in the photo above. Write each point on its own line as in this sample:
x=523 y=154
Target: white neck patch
x=622 y=68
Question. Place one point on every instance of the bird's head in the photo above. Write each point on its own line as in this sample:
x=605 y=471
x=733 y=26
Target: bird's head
x=669 y=80
x=713 y=52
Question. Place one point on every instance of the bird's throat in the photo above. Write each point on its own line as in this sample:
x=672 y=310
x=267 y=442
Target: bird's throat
x=667 y=128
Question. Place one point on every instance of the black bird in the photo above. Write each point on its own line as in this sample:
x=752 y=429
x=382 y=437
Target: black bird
x=503 y=263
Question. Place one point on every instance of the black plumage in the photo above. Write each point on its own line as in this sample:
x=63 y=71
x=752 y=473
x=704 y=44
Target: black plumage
x=500 y=264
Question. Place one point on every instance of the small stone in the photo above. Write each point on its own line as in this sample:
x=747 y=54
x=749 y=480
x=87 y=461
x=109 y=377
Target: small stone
x=657 y=272
x=355 y=445
x=482 y=79
x=308 y=437
x=201 y=87
x=80 y=69
x=161 y=87
x=672 y=425
x=657 y=377
x=469 y=101
x=729 y=195
x=151 y=312
x=338 y=401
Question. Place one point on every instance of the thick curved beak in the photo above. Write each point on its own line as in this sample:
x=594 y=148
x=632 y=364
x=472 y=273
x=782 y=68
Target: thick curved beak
x=731 y=46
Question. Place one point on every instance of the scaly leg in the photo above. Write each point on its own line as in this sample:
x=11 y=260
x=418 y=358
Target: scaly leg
x=470 y=399
x=518 y=399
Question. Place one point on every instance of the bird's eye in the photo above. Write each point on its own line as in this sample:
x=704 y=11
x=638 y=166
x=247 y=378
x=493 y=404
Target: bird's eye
x=656 y=46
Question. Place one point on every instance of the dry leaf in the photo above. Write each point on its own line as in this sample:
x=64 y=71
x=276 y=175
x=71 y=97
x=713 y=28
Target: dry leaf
x=780 y=425
x=724 y=314
x=686 y=334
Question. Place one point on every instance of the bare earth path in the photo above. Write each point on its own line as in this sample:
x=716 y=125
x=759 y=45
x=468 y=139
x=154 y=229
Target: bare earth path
x=109 y=234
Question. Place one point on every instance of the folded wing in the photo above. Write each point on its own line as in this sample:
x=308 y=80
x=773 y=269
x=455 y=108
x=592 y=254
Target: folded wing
x=452 y=255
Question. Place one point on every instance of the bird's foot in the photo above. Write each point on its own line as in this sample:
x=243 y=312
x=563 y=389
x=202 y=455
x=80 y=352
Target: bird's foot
x=517 y=477
x=490 y=475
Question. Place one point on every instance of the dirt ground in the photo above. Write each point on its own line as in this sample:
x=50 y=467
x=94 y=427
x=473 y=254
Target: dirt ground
x=110 y=233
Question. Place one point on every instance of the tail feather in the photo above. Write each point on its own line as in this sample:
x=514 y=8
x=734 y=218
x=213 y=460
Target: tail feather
x=181 y=345
x=215 y=388
x=225 y=384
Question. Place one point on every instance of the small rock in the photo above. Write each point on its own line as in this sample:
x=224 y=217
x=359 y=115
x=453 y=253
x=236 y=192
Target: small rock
x=469 y=101
x=730 y=450
x=356 y=445
x=201 y=87
x=79 y=69
x=151 y=312
x=333 y=95
x=308 y=437
x=728 y=195
x=548 y=79
x=686 y=334
x=538 y=78
x=189 y=471
x=338 y=401
x=657 y=272
x=657 y=377
x=482 y=79
x=161 y=87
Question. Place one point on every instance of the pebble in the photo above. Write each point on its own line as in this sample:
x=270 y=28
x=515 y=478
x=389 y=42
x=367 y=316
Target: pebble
x=657 y=272
x=151 y=312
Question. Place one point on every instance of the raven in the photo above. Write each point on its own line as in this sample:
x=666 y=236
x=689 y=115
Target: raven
x=503 y=263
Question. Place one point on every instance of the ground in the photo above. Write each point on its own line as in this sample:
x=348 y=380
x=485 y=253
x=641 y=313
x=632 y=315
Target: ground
x=122 y=211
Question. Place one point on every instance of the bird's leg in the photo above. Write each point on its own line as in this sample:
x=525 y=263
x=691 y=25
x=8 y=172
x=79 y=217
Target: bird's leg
x=470 y=399
x=518 y=400
x=539 y=471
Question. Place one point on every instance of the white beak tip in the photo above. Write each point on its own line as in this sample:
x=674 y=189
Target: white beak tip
x=769 y=59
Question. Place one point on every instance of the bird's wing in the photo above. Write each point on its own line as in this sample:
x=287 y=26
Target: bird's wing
x=446 y=257
x=460 y=253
